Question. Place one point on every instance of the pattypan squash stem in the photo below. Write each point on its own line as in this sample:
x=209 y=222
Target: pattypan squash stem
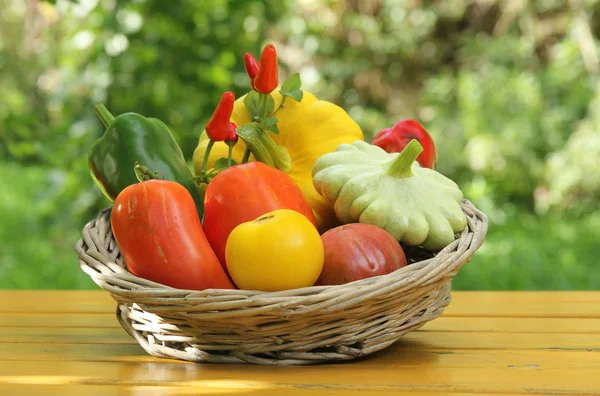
x=401 y=166
x=264 y=148
x=104 y=115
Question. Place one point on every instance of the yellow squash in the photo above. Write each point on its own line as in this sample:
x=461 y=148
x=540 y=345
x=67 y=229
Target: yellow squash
x=308 y=130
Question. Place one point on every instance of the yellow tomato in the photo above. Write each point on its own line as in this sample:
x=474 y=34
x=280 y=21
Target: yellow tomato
x=280 y=250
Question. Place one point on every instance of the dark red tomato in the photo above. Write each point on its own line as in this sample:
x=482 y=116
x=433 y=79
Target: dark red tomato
x=394 y=139
x=157 y=229
x=358 y=251
x=244 y=192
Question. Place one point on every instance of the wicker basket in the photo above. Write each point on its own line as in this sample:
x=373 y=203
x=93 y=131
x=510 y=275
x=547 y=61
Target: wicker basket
x=300 y=326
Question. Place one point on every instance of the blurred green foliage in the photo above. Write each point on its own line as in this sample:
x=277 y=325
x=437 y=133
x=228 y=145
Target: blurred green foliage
x=510 y=91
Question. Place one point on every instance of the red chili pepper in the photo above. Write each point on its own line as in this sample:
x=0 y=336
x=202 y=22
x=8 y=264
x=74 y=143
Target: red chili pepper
x=218 y=127
x=394 y=139
x=232 y=137
x=252 y=67
x=268 y=74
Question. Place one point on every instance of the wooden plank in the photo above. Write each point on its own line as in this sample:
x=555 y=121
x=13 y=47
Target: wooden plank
x=513 y=325
x=65 y=335
x=414 y=340
x=322 y=378
x=396 y=356
x=110 y=390
x=444 y=323
x=56 y=301
x=486 y=304
x=525 y=304
x=36 y=319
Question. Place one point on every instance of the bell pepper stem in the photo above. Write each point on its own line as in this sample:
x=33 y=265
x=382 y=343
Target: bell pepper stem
x=264 y=148
x=209 y=147
x=104 y=115
x=401 y=166
x=144 y=173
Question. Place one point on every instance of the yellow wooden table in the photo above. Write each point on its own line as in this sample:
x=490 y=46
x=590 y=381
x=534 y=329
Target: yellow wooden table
x=69 y=343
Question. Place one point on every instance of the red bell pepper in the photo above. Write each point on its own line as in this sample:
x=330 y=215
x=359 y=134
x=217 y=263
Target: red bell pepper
x=158 y=231
x=394 y=139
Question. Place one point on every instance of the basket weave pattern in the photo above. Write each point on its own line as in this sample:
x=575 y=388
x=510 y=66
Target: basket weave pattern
x=299 y=326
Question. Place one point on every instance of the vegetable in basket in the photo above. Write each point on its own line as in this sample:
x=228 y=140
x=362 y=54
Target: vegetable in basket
x=358 y=251
x=279 y=250
x=158 y=231
x=244 y=192
x=417 y=205
x=219 y=128
x=287 y=134
x=267 y=75
x=394 y=139
x=131 y=138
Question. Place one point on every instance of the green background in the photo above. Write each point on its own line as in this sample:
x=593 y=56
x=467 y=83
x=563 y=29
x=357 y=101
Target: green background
x=509 y=90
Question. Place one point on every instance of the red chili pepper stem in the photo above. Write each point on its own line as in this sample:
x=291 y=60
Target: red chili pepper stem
x=262 y=104
x=209 y=147
x=230 y=153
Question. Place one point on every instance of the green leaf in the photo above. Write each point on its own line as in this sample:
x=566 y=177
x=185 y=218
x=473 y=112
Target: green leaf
x=293 y=83
x=271 y=125
x=295 y=94
x=251 y=101
x=244 y=130
x=221 y=164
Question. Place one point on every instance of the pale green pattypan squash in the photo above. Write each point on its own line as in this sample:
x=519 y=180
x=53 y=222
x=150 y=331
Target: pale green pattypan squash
x=365 y=184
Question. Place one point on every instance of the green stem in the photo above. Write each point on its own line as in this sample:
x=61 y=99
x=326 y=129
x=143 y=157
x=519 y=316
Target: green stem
x=264 y=148
x=144 y=173
x=280 y=107
x=104 y=115
x=206 y=155
x=262 y=104
x=246 y=156
x=230 y=154
x=401 y=166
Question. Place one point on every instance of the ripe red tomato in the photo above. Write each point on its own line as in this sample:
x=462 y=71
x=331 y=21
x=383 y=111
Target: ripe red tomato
x=394 y=139
x=157 y=229
x=244 y=192
x=358 y=251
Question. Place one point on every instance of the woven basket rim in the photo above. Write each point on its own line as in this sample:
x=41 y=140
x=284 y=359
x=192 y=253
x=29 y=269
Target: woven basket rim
x=104 y=269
